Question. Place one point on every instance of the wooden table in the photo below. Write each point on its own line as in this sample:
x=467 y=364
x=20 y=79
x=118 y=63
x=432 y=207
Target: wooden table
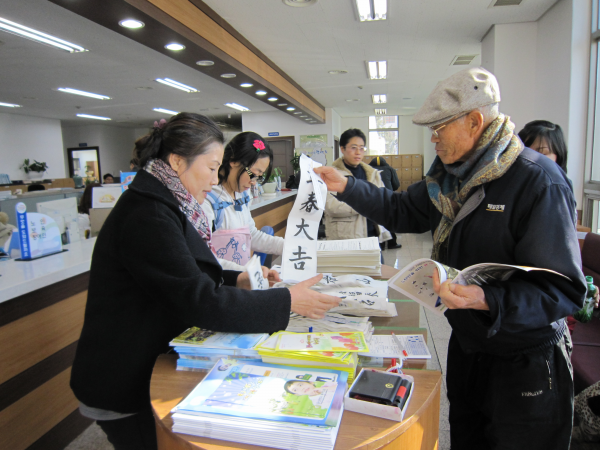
x=419 y=430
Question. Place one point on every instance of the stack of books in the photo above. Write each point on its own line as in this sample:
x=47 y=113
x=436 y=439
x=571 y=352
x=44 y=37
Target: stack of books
x=264 y=404
x=313 y=350
x=200 y=349
x=331 y=322
x=349 y=256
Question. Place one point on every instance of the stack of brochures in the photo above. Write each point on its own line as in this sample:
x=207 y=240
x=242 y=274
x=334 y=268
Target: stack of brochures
x=337 y=351
x=331 y=322
x=349 y=256
x=361 y=295
x=200 y=349
x=265 y=404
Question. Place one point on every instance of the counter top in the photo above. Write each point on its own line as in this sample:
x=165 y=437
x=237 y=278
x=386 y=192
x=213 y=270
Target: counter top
x=21 y=277
x=263 y=200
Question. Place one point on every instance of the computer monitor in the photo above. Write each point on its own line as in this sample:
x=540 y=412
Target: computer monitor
x=64 y=213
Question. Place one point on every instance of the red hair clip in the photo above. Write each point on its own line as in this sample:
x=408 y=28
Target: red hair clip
x=258 y=145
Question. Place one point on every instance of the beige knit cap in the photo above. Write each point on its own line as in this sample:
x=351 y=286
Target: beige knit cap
x=463 y=92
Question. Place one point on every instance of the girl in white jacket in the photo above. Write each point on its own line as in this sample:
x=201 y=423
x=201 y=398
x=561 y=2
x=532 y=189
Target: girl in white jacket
x=248 y=160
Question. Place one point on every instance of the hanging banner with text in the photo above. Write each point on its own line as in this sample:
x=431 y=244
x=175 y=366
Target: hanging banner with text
x=299 y=260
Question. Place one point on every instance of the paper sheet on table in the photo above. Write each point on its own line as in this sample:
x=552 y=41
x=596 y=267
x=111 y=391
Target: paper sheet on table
x=385 y=346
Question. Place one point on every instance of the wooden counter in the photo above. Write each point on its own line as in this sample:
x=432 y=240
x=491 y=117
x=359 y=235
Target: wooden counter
x=419 y=430
x=273 y=211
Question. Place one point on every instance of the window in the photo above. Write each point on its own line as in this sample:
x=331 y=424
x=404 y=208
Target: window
x=591 y=194
x=383 y=135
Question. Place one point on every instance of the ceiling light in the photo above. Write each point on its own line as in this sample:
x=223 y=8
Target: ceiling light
x=85 y=94
x=302 y=116
x=174 y=46
x=380 y=111
x=369 y=10
x=272 y=99
x=131 y=23
x=205 y=62
x=38 y=36
x=281 y=104
x=246 y=85
x=238 y=107
x=228 y=75
x=261 y=92
x=166 y=111
x=88 y=116
x=299 y=3
x=176 y=85
x=337 y=72
x=10 y=105
x=291 y=108
x=379 y=98
x=377 y=70
x=298 y=112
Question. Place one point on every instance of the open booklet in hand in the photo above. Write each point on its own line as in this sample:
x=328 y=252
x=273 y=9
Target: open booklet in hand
x=416 y=280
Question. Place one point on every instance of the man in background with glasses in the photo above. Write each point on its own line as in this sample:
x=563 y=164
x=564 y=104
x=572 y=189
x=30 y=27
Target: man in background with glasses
x=488 y=199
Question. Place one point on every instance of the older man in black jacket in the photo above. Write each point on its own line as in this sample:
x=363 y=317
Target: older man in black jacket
x=488 y=199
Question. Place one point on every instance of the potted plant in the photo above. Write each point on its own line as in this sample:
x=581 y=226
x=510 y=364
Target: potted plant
x=35 y=168
x=295 y=162
x=270 y=186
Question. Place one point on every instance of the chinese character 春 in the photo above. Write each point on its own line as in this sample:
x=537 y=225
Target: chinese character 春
x=310 y=204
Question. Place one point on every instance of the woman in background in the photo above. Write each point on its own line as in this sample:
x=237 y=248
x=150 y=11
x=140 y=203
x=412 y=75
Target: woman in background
x=153 y=275
x=247 y=160
x=546 y=138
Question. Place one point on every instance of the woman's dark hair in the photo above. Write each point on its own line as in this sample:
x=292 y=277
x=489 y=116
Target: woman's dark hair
x=86 y=199
x=186 y=134
x=242 y=149
x=552 y=134
x=349 y=134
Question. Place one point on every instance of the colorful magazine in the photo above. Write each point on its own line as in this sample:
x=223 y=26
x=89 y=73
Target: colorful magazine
x=342 y=341
x=270 y=392
x=197 y=337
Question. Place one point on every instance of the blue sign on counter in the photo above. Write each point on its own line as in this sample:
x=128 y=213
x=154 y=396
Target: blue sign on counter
x=274 y=134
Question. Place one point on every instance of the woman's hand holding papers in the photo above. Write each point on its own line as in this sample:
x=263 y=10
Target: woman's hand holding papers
x=309 y=303
x=455 y=296
x=333 y=178
x=243 y=280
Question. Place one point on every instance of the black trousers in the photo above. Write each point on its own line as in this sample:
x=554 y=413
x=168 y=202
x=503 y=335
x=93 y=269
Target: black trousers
x=136 y=432
x=514 y=402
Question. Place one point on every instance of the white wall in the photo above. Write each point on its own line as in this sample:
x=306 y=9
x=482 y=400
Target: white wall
x=115 y=144
x=30 y=137
x=509 y=51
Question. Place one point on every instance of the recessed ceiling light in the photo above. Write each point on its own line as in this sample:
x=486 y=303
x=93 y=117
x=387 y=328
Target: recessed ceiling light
x=337 y=72
x=302 y=116
x=272 y=99
x=352 y=100
x=85 y=94
x=291 y=108
x=176 y=85
x=369 y=10
x=238 y=107
x=298 y=112
x=299 y=3
x=88 y=116
x=10 y=105
x=228 y=75
x=166 y=111
x=38 y=36
x=377 y=70
x=205 y=62
x=131 y=23
x=261 y=92
x=380 y=111
x=174 y=46
x=246 y=85
x=379 y=98
x=281 y=104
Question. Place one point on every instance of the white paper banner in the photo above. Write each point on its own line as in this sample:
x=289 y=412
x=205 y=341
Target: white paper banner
x=299 y=260
x=254 y=269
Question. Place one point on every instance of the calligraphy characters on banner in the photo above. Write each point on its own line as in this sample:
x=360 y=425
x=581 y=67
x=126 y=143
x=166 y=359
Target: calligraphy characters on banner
x=299 y=259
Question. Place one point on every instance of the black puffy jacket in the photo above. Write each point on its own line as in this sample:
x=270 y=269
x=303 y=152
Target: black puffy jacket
x=387 y=172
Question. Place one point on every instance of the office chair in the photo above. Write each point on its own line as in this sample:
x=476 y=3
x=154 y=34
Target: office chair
x=36 y=187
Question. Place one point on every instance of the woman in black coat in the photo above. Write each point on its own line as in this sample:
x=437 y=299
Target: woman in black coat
x=154 y=274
